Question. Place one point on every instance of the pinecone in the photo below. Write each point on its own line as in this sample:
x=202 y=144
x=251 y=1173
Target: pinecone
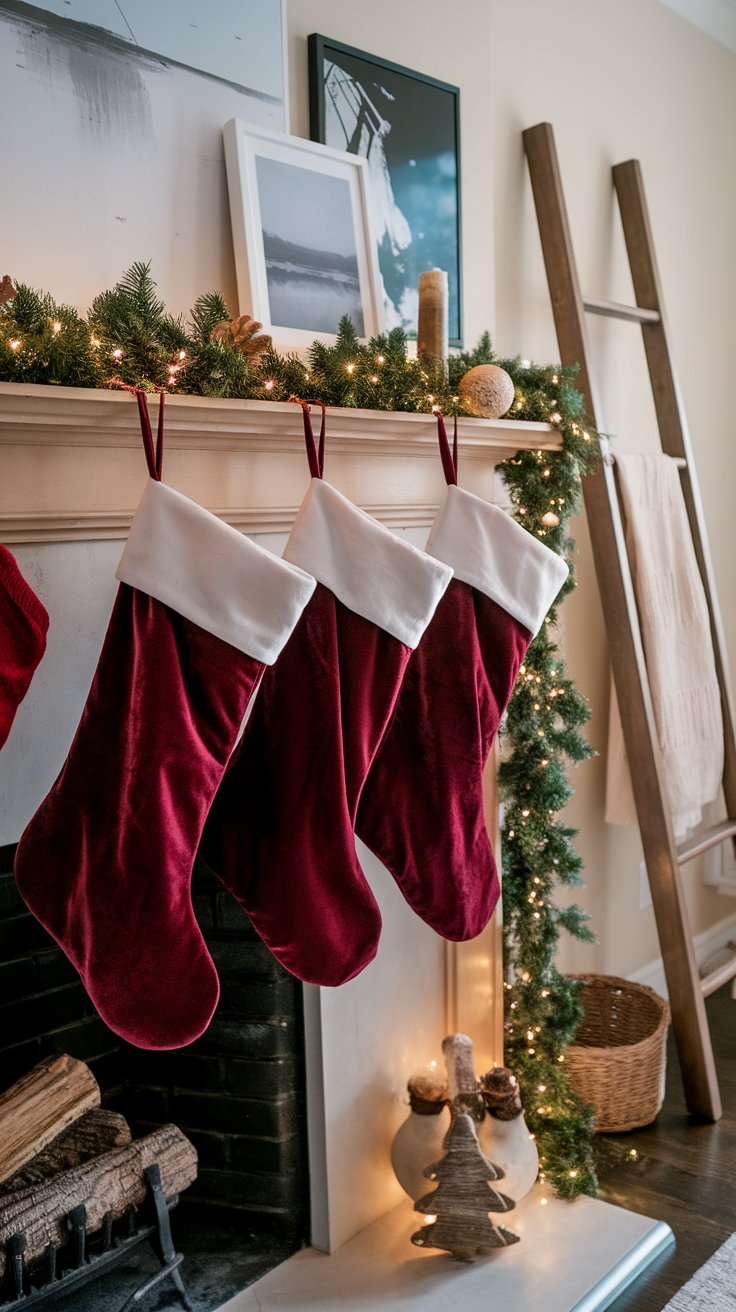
x=7 y=290
x=240 y=333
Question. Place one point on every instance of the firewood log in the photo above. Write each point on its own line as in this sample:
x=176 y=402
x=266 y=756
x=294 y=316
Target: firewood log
x=94 y=1133
x=36 y=1109
x=111 y=1183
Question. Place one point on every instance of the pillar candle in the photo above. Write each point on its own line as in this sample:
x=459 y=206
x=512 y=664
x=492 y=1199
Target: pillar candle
x=432 y=329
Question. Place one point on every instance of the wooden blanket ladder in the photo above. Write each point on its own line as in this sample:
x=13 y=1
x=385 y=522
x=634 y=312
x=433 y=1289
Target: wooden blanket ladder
x=662 y=855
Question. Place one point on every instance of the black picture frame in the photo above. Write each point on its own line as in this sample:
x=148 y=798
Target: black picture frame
x=431 y=119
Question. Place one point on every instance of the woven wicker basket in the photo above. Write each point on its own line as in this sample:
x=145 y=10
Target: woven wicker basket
x=619 y=1057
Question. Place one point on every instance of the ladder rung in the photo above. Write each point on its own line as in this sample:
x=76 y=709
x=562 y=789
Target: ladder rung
x=721 y=975
x=612 y=309
x=704 y=839
x=680 y=461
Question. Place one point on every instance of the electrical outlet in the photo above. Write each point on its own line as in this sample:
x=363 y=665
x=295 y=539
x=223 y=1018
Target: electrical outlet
x=645 y=892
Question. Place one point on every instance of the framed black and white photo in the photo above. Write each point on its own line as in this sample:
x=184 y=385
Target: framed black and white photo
x=407 y=127
x=305 y=254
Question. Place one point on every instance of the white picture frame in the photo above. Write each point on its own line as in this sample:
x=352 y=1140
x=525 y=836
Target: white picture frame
x=304 y=247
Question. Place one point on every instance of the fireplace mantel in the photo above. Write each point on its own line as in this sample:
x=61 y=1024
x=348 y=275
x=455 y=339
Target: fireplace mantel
x=73 y=466
x=72 y=471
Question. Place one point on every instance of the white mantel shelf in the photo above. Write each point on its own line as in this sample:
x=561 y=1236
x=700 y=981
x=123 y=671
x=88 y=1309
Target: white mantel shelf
x=72 y=464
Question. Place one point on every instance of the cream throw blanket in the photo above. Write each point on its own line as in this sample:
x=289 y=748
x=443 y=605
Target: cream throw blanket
x=677 y=644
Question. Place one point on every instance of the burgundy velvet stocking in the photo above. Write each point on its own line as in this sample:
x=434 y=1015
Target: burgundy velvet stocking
x=105 y=864
x=280 y=832
x=23 y=627
x=421 y=809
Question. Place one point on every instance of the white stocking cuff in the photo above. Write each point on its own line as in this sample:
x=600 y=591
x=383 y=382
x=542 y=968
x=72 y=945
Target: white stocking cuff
x=212 y=575
x=368 y=568
x=490 y=551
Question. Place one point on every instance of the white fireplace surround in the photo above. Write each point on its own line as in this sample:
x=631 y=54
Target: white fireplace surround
x=72 y=471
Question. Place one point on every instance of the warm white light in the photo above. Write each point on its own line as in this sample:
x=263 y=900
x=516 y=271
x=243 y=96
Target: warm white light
x=430 y=1220
x=269 y=384
x=542 y=1088
x=381 y=359
x=525 y=813
x=182 y=355
x=543 y=1201
x=555 y=418
x=350 y=368
x=374 y=379
x=555 y=378
x=545 y=472
x=573 y=1174
x=117 y=353
x=15 y=344
x=56 y=326
x=433 y=1063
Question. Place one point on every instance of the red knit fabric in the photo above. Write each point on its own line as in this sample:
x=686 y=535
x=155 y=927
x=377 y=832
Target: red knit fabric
x=280 y=832
x=23 y=627
x=421 y=810
x=105 y=864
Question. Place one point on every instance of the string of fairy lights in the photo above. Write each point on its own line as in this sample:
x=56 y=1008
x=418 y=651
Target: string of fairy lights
x=129 y=337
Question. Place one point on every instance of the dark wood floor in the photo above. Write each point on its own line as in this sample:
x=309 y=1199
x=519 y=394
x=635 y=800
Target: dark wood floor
x=686 y=1172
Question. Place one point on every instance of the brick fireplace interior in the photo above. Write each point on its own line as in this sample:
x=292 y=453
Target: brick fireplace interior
x=238 y=1093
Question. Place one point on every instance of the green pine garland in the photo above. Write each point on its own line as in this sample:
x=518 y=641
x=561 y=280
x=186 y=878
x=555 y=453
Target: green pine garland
x=130 y=338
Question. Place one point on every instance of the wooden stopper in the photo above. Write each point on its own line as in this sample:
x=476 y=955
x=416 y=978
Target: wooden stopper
x=500 y=1090
x=428 y=1092
x=432 y=328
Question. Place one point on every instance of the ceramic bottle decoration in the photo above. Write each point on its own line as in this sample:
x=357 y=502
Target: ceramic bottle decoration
x=419 y=1140
x=503 y=1134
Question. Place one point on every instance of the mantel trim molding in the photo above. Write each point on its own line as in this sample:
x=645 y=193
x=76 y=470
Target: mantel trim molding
x=73 y=467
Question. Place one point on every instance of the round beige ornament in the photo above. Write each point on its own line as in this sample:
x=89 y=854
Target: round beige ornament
x=486 y=391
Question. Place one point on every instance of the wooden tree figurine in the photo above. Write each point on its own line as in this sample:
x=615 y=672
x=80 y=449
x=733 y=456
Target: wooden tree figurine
x=464 y=1196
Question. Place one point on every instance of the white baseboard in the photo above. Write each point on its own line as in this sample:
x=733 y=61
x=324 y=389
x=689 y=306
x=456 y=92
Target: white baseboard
x=706 y=944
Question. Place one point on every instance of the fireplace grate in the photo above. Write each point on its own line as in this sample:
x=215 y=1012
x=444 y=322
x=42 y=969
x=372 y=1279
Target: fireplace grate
x=84 y=1258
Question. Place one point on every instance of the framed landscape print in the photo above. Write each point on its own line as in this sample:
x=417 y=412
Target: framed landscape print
x=305 y=253
x=407 y=127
